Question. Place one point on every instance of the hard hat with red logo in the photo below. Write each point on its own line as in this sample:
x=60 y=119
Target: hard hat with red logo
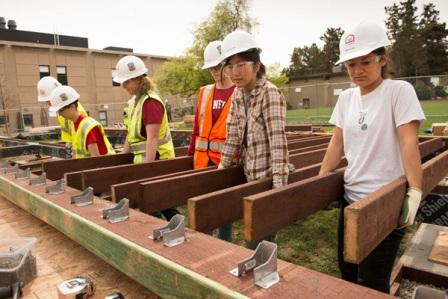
x=129 y=67
x=212 y=54
x=362 y=40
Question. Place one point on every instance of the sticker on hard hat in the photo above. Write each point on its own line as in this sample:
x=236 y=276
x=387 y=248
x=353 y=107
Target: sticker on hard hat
x=63 y=97
x=349 y=39
x=41 y=92
x=131 y=66
x=219 y=49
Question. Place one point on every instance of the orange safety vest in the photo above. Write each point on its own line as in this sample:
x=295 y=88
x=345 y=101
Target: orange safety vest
x=212 y=136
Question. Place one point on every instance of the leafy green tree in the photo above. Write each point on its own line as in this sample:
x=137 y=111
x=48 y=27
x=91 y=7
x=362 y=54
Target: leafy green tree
x=183 y=76
x=330 y=51
x=276 y=76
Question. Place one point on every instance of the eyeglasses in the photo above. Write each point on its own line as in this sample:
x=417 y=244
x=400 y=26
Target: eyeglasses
x=237 y=67
x=215 y=68
x=365 y=63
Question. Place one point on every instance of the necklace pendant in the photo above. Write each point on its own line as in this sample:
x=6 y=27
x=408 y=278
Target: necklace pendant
x=364 y=127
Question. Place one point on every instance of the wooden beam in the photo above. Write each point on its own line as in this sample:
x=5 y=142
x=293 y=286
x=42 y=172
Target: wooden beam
x=196 y=269
x=159 y=195
x=293 y=128
x=131 y=190
x=366 y=227
x=101 y=179
x=267 y=212
x=229 y=201
x=56 y=169
x=301 y=144
x=308 y=148
x=297 y=201
x=181 y=151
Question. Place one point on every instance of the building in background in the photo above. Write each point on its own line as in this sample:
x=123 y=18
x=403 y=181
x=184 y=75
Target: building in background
x=27 y=56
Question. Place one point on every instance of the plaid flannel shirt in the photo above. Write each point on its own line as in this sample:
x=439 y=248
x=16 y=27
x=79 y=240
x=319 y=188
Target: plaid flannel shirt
x=266 y=153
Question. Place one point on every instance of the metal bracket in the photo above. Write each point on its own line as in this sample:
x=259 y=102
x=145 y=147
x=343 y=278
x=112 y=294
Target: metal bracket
x=264 y=264
x=118 y=213
x=82 y=199
x=23 y=174
x=173 y=233
x=12 y=169
x=59 y=188
x=40 y=180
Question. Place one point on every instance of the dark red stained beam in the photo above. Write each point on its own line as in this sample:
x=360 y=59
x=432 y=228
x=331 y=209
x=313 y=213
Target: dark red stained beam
x=101 y=179
x=229 y=202
x=310 y=142
x=131 y=190
x=370 y=220
x=56 y=169
x=157 y=195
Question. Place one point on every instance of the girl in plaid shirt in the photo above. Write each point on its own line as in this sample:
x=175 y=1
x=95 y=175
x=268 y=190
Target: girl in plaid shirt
x=256 y=122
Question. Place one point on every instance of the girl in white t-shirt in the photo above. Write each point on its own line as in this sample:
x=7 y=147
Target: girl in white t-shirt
x=376 y=126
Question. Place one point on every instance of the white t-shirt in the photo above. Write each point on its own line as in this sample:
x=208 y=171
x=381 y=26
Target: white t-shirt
x=370 y=138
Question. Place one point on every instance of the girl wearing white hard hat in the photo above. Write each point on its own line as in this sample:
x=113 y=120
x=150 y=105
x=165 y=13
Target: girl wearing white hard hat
x=209 y=132
x=149 y=136
x=256 y=123
x=44 y=88
x=88 y=138
x=376 y=127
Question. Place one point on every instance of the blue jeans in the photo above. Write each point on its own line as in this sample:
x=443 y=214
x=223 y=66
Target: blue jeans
x=375 y=270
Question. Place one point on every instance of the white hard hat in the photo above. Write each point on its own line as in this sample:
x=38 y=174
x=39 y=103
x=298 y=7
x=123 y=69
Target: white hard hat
x=62 y=96
x=237 y=42
x=44 y=88
x=362 y=40
x=212 y=54
x=129 y=67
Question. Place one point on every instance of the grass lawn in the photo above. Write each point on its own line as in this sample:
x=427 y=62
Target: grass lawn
x=436 y=111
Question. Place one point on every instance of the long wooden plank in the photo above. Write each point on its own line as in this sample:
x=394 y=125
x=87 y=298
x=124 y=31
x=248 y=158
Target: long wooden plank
x=229 y=201
x=308 y=148
x=56 y=169
x=300 y=144
x=131 y=190
x=101 y=179
x=297 y=200
x=361 y=237
x=59 y=258
x=181 y=151
x=157 y=195
x=196 y=269
x=293 y=128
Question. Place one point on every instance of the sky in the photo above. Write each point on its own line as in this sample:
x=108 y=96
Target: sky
x=164 y=27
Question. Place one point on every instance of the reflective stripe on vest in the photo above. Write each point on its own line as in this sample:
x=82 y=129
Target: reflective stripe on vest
x=80 y=147
x=85 y=126
x=204 y=145
x=142 y=146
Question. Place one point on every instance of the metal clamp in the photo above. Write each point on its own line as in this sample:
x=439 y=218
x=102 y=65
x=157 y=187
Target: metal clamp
x=173 y=233
x=118 y=213
x=264 y=264
x=12 y=169
x=77 y=287
x=23 y=174
x=40 y=180
x=58 y=188
x=85 y=198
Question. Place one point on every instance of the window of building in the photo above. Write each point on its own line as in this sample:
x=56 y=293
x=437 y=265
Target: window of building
x=306 y=103
x=103 y=117
x=2 y=120
x=28 y=120
x=62 y=74
x=114 y=73
x=44 y=70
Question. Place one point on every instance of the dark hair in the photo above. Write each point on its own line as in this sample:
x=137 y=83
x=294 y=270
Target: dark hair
x=68 y=106
x=381 y=52
x=254 y=56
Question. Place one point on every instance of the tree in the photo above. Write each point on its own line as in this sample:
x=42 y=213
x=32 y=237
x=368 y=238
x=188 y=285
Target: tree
x=183 y=76
x=434 y=40
x=305 y=61
x=330 y=51
x=276 y=76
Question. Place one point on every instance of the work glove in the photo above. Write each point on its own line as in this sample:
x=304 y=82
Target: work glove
x=410 y=206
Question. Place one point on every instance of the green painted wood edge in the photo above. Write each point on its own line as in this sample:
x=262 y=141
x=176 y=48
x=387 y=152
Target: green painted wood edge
x=160 y=275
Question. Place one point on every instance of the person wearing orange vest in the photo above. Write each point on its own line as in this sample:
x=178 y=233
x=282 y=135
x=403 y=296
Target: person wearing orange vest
x=209 y=133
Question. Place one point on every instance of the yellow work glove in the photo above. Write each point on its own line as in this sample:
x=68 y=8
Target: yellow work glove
x=410 y=206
